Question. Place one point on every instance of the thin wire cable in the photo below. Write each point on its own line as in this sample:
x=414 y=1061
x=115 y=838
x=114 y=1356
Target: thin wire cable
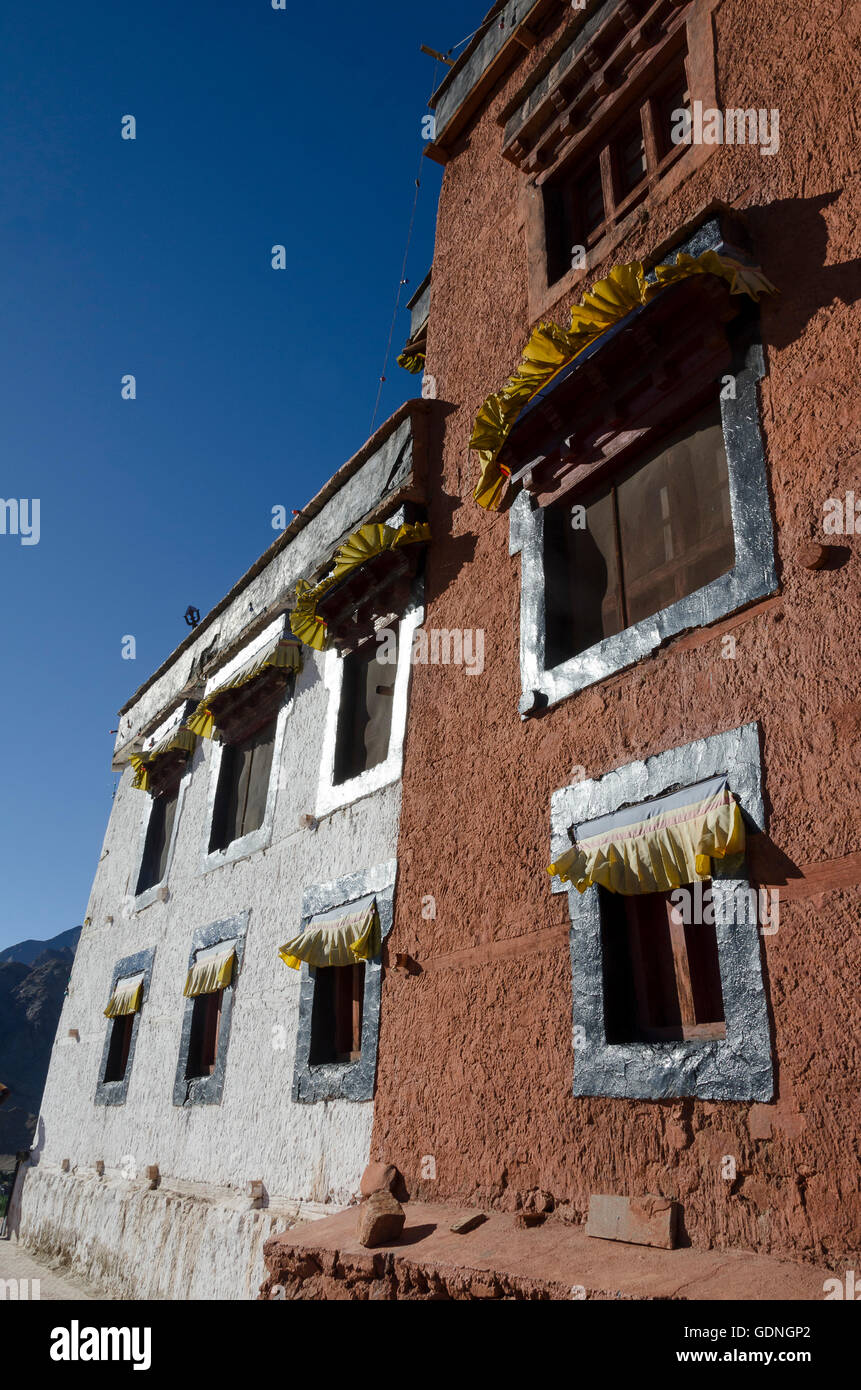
x=486 y=25
x=397 y=308
x=402 y=280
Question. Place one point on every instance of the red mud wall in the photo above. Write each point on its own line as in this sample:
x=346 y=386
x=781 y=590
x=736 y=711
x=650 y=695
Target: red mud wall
x=475 y=1053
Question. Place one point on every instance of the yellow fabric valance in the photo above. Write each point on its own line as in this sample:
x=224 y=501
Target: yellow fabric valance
x=211 y=974
x=412 y=361
x=657 y=846
x=126 y=999
x=282 y=654
x=366 y=543
x=551 y=348
x=342 y=938
x=182 y=739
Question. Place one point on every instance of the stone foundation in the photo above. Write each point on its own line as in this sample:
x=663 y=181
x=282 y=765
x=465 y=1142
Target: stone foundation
x=499 y=1260
x=137 y=1243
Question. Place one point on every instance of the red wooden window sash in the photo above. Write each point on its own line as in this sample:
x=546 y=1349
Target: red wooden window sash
x=604 y=156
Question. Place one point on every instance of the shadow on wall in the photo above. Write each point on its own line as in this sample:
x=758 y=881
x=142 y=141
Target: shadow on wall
x=24 y=1162
x=796 y=234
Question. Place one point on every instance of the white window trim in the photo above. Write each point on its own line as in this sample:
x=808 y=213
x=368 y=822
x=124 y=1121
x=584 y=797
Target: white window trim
x=261 y=838
x=255 y=840
x=332 y=796
x=157 y=892
x=269 y=634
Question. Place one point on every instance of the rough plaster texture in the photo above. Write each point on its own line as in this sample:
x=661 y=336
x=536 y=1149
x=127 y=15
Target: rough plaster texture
x=254 y=1131
x=475 y=1052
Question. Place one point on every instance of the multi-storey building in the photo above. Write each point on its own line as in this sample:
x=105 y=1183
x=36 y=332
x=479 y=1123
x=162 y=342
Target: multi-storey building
x=629 y=653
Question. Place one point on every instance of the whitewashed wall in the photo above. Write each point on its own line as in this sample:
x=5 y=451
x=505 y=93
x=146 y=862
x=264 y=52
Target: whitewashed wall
x=152 y=1244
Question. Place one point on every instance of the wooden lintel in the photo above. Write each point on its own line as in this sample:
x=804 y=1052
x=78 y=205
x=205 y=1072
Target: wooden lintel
x=525 y=36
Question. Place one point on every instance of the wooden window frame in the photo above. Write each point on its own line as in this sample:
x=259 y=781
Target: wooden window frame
x=249 y=720
x=119 y=1048
x=153 y=868
x=610 y=479
x=348 y=731
x=338 y=1014
x=576 y=118
x=202 y=1056
x=679 y=976
x=604 y=151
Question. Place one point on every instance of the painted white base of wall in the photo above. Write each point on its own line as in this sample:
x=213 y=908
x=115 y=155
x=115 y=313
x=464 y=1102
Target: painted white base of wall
x=187 y=1242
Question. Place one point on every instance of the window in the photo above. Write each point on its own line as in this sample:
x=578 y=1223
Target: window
x=209 y=993
x=118 y=1047
x=675 y=96
x=661 y=977
x=205 y=1029
x=339 y=1005
x=129 y=989
x=668 y=994
x=243 y=786
x=630 y=153
x=365 y=712
x=582 y=202
x=158 y=837
x=644 y=508
x=336 y=1024
x=654 y=533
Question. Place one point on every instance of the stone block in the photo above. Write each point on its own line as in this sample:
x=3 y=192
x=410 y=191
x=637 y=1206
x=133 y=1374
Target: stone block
x=636 y=1220
x=468 y=1223
x=379 y=1177
x=381 y=1220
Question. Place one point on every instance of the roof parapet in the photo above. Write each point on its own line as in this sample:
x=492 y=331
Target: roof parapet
x=388 y=470
x=497 y=46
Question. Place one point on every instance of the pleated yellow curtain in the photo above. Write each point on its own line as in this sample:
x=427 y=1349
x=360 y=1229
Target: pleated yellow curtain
x=336 y=939
x=412 y=361
x=211 y=974
x=181 y=739
x=281 y=654
x=364 y=545
x=657 y=846
x=126 y=999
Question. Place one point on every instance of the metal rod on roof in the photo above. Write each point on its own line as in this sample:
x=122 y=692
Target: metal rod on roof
x=440 y=57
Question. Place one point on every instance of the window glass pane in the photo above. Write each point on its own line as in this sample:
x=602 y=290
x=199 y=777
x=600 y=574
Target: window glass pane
x=239 y=771
x=157 y=843
x=590 y=201
x=675 y=97
x=243 y=785
x=168 y=816
x=631 y=159
x=365 y=714
x=674 y=516
x=582 y=596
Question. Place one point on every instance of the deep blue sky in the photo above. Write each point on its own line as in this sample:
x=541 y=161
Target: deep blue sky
x=152 y=257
